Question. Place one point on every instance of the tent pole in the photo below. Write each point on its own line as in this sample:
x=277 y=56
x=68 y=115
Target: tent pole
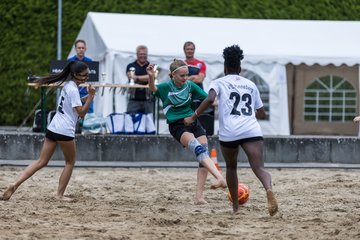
x=59 y=30
x=59 y=46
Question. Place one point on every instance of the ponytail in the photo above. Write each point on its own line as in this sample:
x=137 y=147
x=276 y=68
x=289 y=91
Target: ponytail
x=72 y=68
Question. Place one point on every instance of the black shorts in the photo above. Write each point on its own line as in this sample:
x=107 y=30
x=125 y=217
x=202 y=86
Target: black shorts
x=236 y=143
x=57 y=137
x=178 y=128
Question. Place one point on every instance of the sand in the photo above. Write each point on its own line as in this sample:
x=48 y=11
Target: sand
x=117 y=203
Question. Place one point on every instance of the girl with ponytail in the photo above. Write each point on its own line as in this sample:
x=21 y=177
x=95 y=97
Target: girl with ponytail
x=61 y=130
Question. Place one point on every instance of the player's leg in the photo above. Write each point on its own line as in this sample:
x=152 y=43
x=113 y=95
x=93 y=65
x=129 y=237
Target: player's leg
x=69 y=151
x=230 y=157
x=254 y=152
x=187 y=139
x=201 y=175
x=47 y=151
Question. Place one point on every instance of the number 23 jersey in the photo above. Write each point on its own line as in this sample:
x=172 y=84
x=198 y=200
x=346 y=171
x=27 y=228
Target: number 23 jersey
x=238 y=99
x=66 y=116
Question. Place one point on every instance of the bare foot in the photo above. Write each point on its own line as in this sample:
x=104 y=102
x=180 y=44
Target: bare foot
x=64 y=199
x=272 y=203
x=8 y=192
x=236 y=212
x=200 y=201
x=220 y=183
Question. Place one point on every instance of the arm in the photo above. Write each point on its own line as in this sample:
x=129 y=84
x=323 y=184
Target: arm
x=150 y=72
x=82 y=110
x=357 y=119
x=209 y=100
x=200 y=74
x=260 y=113
x=142 y=79
x=139 y=78
x=197 y=78
x=83 y=99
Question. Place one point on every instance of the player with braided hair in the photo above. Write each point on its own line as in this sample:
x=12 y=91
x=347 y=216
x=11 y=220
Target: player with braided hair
x=239 y=107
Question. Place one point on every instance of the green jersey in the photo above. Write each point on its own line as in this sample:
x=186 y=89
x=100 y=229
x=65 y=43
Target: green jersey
x=177 y=101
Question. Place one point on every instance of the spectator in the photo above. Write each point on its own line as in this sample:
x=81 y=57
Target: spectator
x=197 y=68
x=197 y=73
x=80 y=48
x=140 y=99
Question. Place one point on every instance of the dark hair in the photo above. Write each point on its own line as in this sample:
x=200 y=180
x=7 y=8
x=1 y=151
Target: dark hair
x=79 y=40
x=188 y=43
x=72 y=68
x=233 y=56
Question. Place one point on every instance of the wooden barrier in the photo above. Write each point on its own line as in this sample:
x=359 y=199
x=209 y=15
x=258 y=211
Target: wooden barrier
x=93 y=84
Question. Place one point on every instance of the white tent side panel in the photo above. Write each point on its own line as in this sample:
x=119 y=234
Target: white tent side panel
x=268 y=46
x=269 y=41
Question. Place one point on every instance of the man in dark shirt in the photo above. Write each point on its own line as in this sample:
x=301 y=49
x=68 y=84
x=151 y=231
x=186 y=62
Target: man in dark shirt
x=140 y=99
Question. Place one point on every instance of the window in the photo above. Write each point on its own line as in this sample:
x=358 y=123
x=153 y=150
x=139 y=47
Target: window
x=329 y=99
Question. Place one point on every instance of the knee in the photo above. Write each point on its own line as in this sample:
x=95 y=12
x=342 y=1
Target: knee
x=199 y=150
x=41 y=163
x=232 y=166
x=70 y=162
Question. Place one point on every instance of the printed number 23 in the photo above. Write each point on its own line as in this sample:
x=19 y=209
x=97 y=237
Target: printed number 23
x=247 y=110
x=60 y=107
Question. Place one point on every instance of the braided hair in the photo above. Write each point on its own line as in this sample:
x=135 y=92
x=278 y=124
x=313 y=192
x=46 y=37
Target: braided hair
x=233 y=56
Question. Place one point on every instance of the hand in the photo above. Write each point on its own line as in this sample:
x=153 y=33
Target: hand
x=150 y=70
x=188 y=121
x=91 y=90
x=357 y=119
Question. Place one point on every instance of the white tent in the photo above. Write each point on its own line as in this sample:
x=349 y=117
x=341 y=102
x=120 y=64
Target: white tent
x=268 y=46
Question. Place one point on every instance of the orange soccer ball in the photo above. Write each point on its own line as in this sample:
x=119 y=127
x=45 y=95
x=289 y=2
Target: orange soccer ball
x=243 y=194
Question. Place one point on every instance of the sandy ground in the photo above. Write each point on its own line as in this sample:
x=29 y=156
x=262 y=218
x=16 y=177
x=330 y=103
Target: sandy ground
x=158 y=204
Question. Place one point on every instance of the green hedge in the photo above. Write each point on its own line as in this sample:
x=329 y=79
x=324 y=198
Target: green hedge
x=29 y=33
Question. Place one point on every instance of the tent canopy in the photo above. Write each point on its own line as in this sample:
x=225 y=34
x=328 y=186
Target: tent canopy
x=267 y=41
x=268 y=45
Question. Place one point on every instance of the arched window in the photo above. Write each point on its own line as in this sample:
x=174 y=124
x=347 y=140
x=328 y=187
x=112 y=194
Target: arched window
x=329 y=99
x=262 y=86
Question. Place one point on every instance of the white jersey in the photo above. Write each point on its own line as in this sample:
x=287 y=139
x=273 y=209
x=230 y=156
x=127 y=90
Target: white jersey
x=66 y=116
x=238 y=99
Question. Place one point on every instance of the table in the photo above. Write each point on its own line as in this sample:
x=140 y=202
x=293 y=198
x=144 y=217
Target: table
x=95 y=85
